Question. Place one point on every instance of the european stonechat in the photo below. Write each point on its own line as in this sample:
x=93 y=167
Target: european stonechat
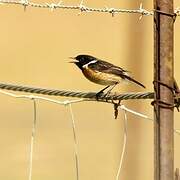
x=102 y=72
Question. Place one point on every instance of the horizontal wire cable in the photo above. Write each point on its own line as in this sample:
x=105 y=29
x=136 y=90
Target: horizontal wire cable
x=78 y=94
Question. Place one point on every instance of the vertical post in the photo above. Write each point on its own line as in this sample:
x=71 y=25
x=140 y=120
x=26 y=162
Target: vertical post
x=163 y=81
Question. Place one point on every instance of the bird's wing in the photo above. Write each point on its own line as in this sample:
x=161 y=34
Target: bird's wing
x=106 y=67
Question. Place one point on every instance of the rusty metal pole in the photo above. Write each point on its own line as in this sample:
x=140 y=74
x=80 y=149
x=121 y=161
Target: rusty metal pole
x=163 y=84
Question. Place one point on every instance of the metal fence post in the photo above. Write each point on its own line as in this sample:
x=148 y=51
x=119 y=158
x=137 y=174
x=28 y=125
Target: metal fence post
x=163 y=83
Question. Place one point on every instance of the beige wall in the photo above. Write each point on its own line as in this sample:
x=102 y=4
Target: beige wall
x=35 y=46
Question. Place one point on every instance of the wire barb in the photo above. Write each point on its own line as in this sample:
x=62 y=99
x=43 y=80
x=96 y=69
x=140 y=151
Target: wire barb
x=143 y=12
x=177 y=11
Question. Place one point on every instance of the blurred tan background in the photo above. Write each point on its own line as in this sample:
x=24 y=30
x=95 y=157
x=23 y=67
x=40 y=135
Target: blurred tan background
x=35 y=46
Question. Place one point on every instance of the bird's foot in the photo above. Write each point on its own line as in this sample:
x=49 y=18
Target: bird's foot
x=102 y=95
x=98 y=95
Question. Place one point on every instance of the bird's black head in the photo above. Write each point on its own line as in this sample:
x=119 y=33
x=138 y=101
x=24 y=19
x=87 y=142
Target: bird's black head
x=82 y=60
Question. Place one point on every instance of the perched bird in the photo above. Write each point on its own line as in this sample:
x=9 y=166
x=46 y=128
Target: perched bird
x=102 y=72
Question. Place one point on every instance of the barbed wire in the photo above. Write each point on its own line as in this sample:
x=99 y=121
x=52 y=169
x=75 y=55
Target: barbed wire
x=82 y=8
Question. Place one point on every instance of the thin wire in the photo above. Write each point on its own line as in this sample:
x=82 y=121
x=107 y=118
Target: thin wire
x=135 y=112
x=124 y=146
x=32 y=138
x=75 y=142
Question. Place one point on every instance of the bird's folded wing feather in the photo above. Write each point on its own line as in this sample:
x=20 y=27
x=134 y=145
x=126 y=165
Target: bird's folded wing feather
x=106 y=67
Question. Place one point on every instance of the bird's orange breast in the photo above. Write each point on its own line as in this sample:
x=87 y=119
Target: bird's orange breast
x=101 y=77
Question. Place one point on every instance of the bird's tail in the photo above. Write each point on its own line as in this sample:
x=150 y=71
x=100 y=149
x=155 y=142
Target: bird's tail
x=133 y=80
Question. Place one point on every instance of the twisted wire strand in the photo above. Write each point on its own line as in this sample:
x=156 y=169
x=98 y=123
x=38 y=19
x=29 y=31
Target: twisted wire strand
x=80 y=7
x=78 y=94
x=83 y=8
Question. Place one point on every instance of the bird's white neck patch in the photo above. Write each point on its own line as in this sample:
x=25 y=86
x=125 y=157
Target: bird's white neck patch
x=91 y=62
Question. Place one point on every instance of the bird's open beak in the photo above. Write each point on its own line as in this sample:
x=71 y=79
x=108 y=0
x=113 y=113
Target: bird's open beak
x=74 y=60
